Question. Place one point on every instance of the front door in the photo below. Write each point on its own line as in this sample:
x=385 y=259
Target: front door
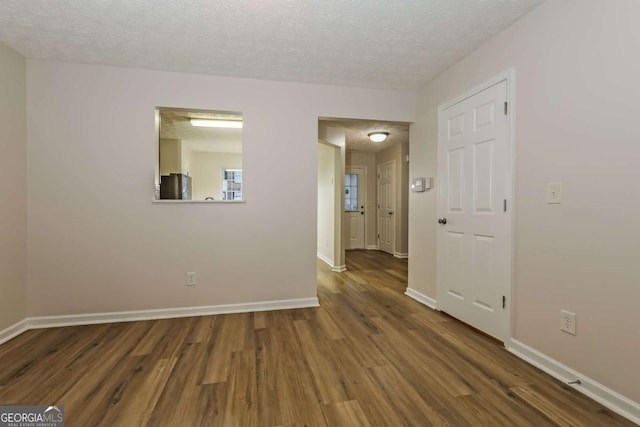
x=474 y=246
x=354 y=203
x=386 y=206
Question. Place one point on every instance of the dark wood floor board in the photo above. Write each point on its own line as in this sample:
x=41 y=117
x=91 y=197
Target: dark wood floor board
x=411 y=407
x=319 y=361
x=202 y=329
x=298 y=397
x=87 y=402
x=32 y=352
x=55 y=367
x=368 y=356
x=135 y=408
x=178 y=402
x=268 y=372
x=348 y=413
x=154 y=336
x=373 y=402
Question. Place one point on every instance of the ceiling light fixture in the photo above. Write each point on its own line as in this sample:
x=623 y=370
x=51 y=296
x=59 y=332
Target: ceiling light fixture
x=236 y=124
x=378 y=136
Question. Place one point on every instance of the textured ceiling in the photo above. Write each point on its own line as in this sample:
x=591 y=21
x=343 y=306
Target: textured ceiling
x=356 y=133
x=176 y=124
x=395 y=44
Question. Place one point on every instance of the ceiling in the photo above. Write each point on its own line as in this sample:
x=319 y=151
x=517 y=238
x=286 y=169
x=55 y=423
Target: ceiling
x=391 y=44
x=176 y=124
x=357 y=130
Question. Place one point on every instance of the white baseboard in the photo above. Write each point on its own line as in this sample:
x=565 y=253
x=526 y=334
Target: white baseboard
x=401 y=254
x=421 y=298
x=373 y=248
x=328 y=261
x=167 y=313
x=336 y=268
x=14 y=330
x=589 y=387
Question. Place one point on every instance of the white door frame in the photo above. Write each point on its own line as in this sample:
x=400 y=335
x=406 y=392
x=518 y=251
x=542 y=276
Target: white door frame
x=364 y=199
x=395 y=208
x=509 y=76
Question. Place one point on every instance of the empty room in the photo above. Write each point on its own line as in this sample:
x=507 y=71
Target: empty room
x=319 y=213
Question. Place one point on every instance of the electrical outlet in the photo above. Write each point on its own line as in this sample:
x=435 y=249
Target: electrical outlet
x=191 y=278
x=568 y=322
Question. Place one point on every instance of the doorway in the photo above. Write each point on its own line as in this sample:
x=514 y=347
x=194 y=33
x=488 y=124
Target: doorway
x=474 y=218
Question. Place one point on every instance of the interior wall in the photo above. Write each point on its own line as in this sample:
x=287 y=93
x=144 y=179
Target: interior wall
x=368 y=160
x=577 y=98
x=206 y=172
x=336 y=136
x=326 y=202
x=186 y=154
x=398 y=153
x=170 y=156
x=97 y=242
x=13 y=187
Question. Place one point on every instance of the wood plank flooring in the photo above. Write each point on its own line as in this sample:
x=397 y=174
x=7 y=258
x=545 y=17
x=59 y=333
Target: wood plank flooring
x=369 y=356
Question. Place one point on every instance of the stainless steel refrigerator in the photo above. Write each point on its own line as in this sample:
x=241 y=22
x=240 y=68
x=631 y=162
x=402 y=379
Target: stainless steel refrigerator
x=175 y=186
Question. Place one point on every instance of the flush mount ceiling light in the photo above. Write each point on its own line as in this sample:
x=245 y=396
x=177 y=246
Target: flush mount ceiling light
x=378 y=136
x=237 y=124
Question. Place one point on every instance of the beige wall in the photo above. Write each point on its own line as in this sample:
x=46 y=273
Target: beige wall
x=577 y=92
x=186 y=155
x=326 y=201
x=170 y=156
x=13 y=188
x=336 y=137
x=106 y=247
x=206 y=172
x=398 y=154
x=368 y=160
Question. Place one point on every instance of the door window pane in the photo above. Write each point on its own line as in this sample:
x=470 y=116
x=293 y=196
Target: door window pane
x=351 y=192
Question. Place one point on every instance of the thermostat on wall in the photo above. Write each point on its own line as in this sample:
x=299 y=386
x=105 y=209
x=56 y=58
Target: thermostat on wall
x=420 y=184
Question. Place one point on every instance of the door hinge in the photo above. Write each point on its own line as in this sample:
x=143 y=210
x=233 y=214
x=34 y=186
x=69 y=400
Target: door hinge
x=506 y=108
x=504 y=205
x=378 y=236
x=504 y=301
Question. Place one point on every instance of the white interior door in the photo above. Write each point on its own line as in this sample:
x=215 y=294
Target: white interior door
x=386 y=207
x=354 y=203
x=474 y=243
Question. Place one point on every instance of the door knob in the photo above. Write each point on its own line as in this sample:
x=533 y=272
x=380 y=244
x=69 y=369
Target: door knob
x=361 y=213
x=390 y=213
x=442 y=221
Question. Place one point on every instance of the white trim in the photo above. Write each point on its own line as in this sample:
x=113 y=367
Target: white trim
x=173 y=201
x=336 y=268
x=325 y=259
x=166 y=313
x=401 y=254
x=509 y=76
x=589 y=387
x=14 y=330
x=421 y=298
x=373 y=248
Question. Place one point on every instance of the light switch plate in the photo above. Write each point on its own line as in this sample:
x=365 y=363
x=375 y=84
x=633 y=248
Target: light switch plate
x=554 y=193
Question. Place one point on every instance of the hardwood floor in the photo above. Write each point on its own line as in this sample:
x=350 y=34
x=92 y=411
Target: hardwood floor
x=369 y=356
